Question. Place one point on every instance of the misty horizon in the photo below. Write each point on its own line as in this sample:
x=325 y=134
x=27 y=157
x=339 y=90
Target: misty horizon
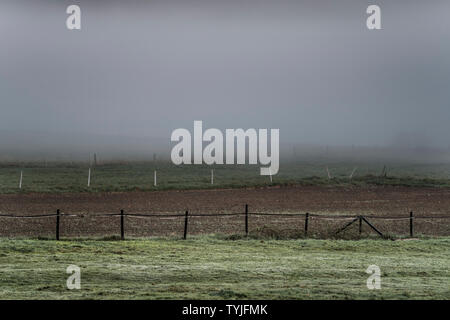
x=136 y=72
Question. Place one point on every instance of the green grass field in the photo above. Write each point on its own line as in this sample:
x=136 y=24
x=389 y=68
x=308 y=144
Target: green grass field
x=211 y=267
x=64 y=177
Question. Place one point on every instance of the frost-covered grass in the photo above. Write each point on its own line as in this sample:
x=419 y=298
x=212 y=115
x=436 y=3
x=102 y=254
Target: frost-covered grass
x=210 y=267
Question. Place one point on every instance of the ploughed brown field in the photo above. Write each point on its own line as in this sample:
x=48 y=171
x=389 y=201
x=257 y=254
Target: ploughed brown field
x=368 y=201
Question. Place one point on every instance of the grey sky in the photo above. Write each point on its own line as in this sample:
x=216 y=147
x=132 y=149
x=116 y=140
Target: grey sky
x=310 y=68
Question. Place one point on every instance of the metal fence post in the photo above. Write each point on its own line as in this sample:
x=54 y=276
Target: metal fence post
x=122 y=230
x=411 y=226
x=57 y=224
x=185 y=225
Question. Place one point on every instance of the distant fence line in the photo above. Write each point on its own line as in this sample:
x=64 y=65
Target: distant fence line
x=246 y=214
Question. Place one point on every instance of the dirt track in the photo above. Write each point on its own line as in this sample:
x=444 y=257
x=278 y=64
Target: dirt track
x=386 y=201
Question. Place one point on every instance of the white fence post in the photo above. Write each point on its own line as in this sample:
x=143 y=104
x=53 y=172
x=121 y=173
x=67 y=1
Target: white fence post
x=328 y=172
x=353 y=172
x=20 y=181
x=154 y=179
x=212 y=176
x=89 y=178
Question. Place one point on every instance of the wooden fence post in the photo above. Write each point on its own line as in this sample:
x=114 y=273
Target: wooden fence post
x=306 y=223
x=185 y=225
x=347 y=225
x=122 y=230
x=360 y=225
x=246 y=219
x=57 y=224
x=411 y=226
x=370 y=225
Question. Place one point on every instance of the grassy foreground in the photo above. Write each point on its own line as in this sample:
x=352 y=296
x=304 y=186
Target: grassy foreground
x=212 y=268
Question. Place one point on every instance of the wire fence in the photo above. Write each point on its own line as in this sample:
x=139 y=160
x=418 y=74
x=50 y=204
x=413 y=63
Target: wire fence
x=247 y=223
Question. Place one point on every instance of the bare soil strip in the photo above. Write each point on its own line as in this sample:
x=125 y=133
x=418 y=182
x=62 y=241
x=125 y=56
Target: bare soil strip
x=380 y=201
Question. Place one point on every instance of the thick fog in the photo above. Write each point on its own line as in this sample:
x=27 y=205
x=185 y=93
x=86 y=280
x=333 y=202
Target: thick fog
x=137 y=70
